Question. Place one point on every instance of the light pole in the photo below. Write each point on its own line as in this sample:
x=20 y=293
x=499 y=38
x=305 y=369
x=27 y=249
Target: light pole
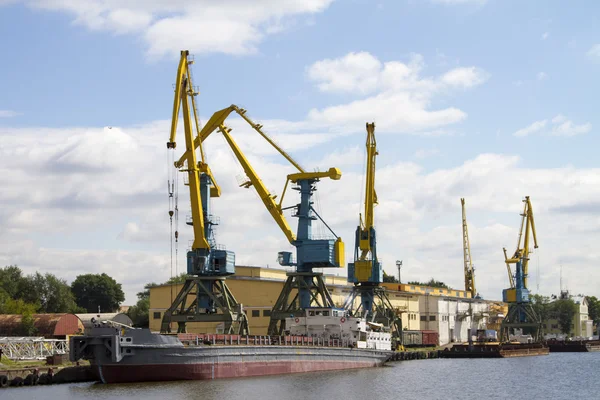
x=399 y=266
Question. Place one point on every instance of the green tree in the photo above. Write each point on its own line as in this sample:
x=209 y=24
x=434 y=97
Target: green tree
x=139 y=313
x=177 y=279
x=432 y=283
x=542 y=306
x=564 y=310
x=389 y=278
x=18 y=306
x=12 y=281
x=593 y=308
x=93 y=291
x=53 y=294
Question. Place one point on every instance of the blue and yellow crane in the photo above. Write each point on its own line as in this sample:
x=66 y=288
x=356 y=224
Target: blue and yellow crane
x=304 y=287
x=521 y=314
x=207 y=263
x=366 y=272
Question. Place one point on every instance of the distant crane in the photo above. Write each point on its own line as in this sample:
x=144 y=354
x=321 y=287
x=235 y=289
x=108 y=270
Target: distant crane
x=366 y=271
x=521 y=314
x=469 y=270
x=309 y=286
x=207 y=263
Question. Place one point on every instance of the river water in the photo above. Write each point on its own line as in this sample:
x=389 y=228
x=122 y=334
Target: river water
x=570 y=376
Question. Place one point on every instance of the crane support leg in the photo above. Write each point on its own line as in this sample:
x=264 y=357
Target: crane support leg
x=375 y=305
x=521 y=316
x=208 y=300
x=289 y=304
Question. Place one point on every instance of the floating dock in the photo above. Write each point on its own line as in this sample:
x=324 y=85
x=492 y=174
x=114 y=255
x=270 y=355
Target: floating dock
x=495 y=350
x=575 y=346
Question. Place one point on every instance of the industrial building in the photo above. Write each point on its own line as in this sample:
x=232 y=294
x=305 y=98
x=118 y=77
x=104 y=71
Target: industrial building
x=449 y=312
x=582 y=325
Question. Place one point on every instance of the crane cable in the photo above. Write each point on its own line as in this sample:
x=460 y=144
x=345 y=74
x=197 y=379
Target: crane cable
x=170 y=190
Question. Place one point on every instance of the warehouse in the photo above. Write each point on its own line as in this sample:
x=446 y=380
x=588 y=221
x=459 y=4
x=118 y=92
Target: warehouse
x=422 y=308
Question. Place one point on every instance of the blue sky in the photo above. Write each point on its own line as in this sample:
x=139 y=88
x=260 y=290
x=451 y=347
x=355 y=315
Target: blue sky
x=513 y=85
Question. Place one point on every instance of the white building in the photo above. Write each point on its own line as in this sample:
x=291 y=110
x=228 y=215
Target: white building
x=452 y=317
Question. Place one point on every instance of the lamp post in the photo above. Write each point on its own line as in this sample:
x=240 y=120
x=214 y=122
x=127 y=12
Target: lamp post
x=399 y=266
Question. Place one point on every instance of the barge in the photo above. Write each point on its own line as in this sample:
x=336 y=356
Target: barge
x=579 y=346
x=494 y=350
x=322 y=340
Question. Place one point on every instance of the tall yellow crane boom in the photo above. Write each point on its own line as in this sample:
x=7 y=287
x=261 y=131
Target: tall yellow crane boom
x=370 y=195
x=522 y=253
x=183 y=91
x=469 y=270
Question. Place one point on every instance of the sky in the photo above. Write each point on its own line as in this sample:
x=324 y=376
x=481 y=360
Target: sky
x=483 y=99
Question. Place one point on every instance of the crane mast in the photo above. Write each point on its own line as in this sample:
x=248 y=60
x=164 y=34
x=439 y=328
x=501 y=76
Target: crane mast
x=207 y=263
x=521 y=314
x=304 y=287
x=366 y=271
x=469 y=270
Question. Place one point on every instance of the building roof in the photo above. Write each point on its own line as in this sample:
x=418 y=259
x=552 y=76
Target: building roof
x=47 y=325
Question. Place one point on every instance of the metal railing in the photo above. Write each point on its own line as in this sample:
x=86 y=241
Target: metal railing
x=32 y=348
x=257 y=340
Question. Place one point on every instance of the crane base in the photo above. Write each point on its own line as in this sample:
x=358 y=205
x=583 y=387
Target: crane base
x=288 y=306
x=213 y=303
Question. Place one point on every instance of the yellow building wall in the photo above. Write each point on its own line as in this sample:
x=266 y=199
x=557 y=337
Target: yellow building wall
x=432 y=291
x=257 y=289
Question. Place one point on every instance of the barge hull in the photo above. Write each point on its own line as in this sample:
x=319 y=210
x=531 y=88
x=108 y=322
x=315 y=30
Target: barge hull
x=205 y=371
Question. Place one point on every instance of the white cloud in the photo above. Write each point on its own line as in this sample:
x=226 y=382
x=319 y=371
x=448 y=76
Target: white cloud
x=465 y=77
x=594 y=52
x=400 y=96
x=64 y=213
x=355 y=72
x=460 y=2
x=568 y=128
x=534 y=127
x=8 y=113
x=202 y=26
x=561 y=126
x=541 y=76
x=545 y=35
x=425 y=153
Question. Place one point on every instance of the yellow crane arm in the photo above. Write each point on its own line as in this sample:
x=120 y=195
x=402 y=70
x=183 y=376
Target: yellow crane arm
x=370 y=195
x=529 y=227
x=469 y=270
x=219 y=118
x=267 y=198
x=193 y=170
x=216 y=122
x=508 y=261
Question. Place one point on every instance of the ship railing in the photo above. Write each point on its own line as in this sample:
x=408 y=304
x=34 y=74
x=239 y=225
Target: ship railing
x=196 y=339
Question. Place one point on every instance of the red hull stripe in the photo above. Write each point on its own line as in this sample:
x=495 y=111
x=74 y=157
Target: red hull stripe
x=176 y=372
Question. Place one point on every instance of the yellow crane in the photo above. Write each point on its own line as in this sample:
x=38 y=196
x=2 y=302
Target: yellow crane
x=308 y=285
x=366 y=271
x=207 y=266
x=469 y=270
x=521 y=314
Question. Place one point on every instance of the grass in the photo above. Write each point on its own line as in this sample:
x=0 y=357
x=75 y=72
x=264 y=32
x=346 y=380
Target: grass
x=18 y=364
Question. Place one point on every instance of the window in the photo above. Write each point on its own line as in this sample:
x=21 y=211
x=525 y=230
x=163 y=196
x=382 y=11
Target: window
x=412 y=288
x=266 y=313
x=256 y=313
x=156 y=315
x=432 y=317
x=423 y=318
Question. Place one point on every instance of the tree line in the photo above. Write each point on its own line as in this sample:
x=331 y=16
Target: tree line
x=46 y=293
x=563 y=310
